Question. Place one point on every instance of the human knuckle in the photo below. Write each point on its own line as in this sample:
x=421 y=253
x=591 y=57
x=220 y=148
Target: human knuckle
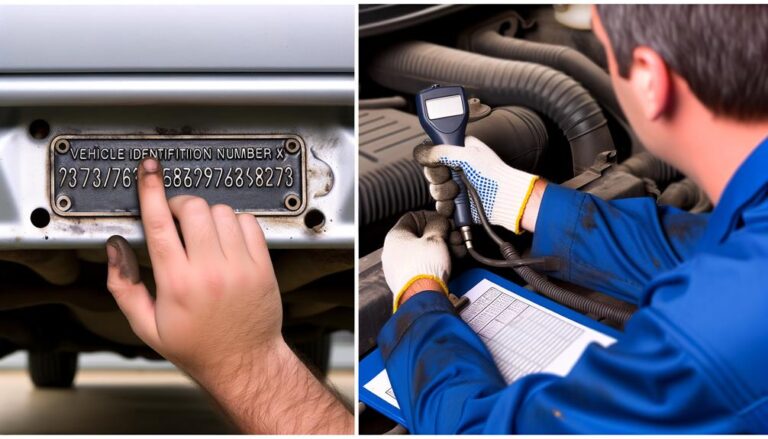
x=114 y=286
x=214 y=280
x=155 y=226
x=222 y=210
x=194 y=205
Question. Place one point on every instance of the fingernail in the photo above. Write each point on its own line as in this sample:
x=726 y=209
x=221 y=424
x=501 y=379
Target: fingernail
x=113 y=254
x=150 y=165
x=121 y=256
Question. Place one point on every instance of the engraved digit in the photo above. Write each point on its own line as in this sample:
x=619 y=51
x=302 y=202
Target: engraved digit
x=239 y=178
x=280 y=176
x=228 y=179
x=126 y=177
x=208 y=173
x=271 y=174
x=218 y=180
x=259 y=177
x=176 y=177
x=63 y=172
x=87 y=173
x=199 y=173
x=288 y=176
x=187 y=178
x=72 y=178
x=248 y=174
x=117 y=178
x=96 y=178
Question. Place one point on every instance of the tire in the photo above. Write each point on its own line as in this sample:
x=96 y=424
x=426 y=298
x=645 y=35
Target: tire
x=52 y=370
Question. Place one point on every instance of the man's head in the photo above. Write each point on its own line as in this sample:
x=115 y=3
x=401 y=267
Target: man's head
x=674 y=65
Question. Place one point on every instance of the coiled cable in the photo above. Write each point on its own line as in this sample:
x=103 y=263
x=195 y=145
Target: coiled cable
x=538 y=282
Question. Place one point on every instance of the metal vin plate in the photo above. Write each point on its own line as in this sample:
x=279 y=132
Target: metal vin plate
x=260 y=174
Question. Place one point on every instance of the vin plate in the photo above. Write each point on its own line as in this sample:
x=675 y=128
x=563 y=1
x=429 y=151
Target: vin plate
x=259 y=174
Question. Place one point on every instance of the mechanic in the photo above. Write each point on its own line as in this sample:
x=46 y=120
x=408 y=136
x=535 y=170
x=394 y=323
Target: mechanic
x=693 y=82
x=217 y=313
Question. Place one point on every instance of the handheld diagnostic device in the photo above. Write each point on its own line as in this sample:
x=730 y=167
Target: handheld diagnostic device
x=443 y=113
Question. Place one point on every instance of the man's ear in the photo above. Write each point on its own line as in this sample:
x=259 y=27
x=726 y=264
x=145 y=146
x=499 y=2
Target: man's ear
x=650 y=79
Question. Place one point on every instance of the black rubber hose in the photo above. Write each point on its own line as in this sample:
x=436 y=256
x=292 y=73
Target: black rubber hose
x=645 y=165
x=518 y=136
x=413 y=66
x=540 y=283
x=563 y=58
x=391 y=190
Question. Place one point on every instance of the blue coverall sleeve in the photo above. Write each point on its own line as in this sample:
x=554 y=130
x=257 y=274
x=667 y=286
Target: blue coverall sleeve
x=615 y=247
x=446 y=382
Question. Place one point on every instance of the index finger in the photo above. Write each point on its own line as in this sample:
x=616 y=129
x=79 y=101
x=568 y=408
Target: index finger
x=438 y=155
x=163 y=241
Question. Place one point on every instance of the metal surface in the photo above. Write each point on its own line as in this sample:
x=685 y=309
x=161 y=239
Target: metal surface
x=176 y=89
x=260 y=174
x=24 y=176
x=206 y=36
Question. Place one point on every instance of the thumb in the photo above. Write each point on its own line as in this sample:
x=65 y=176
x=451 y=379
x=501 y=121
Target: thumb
x=437 y=155
x=129 y=291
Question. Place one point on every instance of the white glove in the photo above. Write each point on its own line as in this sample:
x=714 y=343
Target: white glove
x=503 y=190
x=415 y=249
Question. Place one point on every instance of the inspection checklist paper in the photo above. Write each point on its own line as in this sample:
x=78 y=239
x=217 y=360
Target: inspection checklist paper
x=523 y=337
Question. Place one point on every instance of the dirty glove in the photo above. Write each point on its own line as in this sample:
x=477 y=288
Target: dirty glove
x=503 y=190
x=415 y=249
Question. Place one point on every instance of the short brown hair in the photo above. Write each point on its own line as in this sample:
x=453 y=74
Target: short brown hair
x=720 y=50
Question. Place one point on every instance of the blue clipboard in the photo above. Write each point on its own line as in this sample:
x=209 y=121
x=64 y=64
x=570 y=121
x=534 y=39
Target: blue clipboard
x=373 y=363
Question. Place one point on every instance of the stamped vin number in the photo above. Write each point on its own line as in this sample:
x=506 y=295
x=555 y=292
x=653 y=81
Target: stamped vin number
x=96 y=175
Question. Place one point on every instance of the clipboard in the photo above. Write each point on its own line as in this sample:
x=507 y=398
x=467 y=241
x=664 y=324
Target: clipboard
x=474 y=282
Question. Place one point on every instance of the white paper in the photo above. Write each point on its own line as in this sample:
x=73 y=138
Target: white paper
x=380 y=387
x=522 y=336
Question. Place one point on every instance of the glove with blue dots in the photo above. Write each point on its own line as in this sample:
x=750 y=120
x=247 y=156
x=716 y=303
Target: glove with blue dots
x=503 y=190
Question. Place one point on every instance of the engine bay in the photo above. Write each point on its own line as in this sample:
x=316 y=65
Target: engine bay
x=538 y=94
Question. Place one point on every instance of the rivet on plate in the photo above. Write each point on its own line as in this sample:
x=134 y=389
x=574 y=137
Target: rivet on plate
x=63 y=203
x=292 y=202
x=292 y=146
x=62 y=146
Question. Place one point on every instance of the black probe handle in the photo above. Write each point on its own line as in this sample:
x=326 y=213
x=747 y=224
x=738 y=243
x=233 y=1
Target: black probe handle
x=461 y=214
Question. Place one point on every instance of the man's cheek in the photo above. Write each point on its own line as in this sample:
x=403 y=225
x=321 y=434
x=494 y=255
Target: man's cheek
x=633 y=111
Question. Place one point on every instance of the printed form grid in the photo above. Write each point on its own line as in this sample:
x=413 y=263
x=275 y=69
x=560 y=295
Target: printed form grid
x=521 y=338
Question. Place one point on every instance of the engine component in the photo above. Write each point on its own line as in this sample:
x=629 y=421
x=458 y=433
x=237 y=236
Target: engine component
x=574 y=16
x=412 y=66
x=490 y=41
x=686 y=195
x=390 y=102
x=382 y=19
x=644 y=165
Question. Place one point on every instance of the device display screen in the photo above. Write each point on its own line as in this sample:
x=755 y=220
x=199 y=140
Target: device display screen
x=445 y=107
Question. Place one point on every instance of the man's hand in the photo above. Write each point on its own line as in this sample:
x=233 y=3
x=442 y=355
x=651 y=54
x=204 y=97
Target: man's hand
x=504 y=191
x=217 y=312
x=416 y=255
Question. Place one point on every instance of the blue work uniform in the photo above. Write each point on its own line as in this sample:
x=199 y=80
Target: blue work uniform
x=692 y=359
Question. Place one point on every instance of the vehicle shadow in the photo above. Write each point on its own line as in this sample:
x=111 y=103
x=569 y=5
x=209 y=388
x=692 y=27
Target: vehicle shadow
x=97 y=406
